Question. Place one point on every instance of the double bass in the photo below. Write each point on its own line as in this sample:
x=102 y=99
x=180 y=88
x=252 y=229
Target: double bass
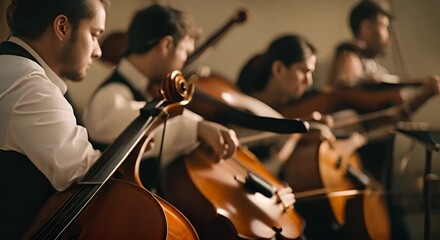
x=106 y=203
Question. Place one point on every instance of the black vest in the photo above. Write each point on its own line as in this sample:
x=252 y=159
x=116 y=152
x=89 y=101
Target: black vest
x=25 y=188
x=117 y=78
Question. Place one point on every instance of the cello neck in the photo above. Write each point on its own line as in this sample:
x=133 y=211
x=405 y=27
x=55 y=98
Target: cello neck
x=240 y=17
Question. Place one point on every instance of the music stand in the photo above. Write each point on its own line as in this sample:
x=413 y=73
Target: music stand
x=431 y=140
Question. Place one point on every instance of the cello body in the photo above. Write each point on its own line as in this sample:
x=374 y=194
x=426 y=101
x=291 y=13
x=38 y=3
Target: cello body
x=216 y=199
x=333 y=194
x=121 y=211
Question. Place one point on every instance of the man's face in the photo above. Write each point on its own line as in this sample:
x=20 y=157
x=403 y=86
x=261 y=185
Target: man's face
x=378 y=38
x=177 y=58
x=82 y=47
x=296 y=78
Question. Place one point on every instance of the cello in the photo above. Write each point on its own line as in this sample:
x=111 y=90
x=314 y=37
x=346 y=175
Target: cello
x=338 y=198
x=233 y=199
x=104 y=204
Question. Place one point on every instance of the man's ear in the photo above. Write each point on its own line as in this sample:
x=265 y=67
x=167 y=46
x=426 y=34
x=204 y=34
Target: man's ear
x=62 y=27
x=278 y=68
x=166 y=45
x=365 y=28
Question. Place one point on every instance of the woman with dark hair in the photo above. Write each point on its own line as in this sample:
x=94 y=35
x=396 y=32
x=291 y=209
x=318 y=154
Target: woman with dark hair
x=278 y=77
x=282 y=73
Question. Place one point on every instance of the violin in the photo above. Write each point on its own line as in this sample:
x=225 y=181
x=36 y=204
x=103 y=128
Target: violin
x=361 y=100
x=376 y=107
x=105 y=204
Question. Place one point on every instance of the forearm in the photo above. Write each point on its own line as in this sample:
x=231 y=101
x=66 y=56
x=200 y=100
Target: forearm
x=180 y=137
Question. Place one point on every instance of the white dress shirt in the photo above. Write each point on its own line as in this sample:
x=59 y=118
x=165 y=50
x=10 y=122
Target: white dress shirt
x=113 y=107
x=37 y=121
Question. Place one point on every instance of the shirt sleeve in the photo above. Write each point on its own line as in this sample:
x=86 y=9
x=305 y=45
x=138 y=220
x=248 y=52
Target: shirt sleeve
x=180 y=137
x=110 y=111
x=349 y=69
x=113 y=108
x=43 y=127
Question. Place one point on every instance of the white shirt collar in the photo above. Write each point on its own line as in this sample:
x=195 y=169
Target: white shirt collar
x=54 y=78
x=134 y=76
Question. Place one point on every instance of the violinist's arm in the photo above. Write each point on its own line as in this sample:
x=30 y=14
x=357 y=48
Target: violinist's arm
x=348 y=69
x=430 y=87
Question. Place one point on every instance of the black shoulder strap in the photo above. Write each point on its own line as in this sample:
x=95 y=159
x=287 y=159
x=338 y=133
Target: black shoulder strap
x=117 y=78
x=10 y=48
x=348 y=47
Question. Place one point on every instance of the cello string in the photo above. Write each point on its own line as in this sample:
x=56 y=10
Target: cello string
x=60 y=219
x=241 y=166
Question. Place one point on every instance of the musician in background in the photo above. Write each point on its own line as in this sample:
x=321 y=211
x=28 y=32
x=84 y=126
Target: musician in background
x=159 y=40
x=278 y=77
x=282 y=75
x=355 y=62
x=42 y=149
x=355 y=65
x=113 y=46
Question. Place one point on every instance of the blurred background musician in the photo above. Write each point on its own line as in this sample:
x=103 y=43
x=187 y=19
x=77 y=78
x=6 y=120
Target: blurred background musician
x=159 y=40
x=355 y=62
x=276 y=77
x=355 y=65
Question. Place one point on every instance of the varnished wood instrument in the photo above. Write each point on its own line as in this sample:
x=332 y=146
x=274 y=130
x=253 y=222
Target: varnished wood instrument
x=105 y=204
